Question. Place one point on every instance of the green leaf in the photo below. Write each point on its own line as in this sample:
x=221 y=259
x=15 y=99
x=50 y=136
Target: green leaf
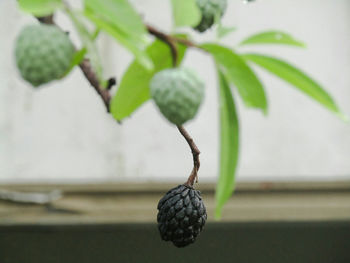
x=240 y=74
x=40 y=7
x=77 y=59
x=136 y=46
x=120 y=14
x=88 y=42
x=229 y=145
x=272 y=37
x=79 y=55
x=134 y=87
x=223 y=31
x=297 y=78
x=186 y=13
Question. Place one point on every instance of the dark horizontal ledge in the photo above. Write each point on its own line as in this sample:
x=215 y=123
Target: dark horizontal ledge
x=154 y=187
x=250 y=242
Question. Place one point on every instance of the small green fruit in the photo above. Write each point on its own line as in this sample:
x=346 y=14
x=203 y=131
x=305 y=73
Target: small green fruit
x=178 y=93
x=210 y=10
x=43 y=53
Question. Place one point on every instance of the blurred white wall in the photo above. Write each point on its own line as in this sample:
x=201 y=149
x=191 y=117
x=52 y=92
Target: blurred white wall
x=61 y=132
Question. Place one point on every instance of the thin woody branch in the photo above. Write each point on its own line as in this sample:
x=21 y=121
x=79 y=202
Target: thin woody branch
x=166 y=39
x=195 y=153
x=169 y=39
x=89 y=74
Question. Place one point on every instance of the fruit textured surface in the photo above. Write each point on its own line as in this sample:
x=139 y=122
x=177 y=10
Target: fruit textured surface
x=181 y=216
x=210 y=10
x=43 y=53
x=178 y=94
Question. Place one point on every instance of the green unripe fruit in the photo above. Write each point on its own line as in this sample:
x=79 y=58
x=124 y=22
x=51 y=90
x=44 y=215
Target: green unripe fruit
x=210 y=10
x=43 y=53
x=178 y=93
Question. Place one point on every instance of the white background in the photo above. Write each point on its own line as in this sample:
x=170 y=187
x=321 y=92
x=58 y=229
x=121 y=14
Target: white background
x=61 y=132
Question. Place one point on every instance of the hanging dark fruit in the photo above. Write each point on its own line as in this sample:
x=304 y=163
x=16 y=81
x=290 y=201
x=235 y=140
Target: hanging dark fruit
x=181 y=215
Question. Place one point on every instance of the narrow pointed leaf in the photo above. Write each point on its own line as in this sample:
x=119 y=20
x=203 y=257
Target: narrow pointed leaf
x=40 y=7
x=80 y=55
x=134 y=87
x=185 y=12
x=240 y=74
x=272 y=37
x=128 y=41
x=77 y=59
x=223 y=31
x=229 y=145
x=119 y=13
x=88 y=41
x=297 y=78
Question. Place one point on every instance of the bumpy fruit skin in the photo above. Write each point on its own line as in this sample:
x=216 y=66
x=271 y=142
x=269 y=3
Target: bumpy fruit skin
x=181 y=216
x=210 y=9
x=178 y=93
x=43 y=53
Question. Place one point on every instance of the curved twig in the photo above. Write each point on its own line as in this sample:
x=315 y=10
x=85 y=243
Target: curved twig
x=169 y=39
x=86 y=68
x=166 y=39
x=90 y=75
x=195 y=153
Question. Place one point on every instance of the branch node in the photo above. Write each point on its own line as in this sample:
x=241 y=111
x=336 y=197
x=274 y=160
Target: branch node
x=111 y=82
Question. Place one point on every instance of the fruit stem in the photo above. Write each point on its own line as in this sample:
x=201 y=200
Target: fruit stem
x=167 y=39
x=195 y=153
